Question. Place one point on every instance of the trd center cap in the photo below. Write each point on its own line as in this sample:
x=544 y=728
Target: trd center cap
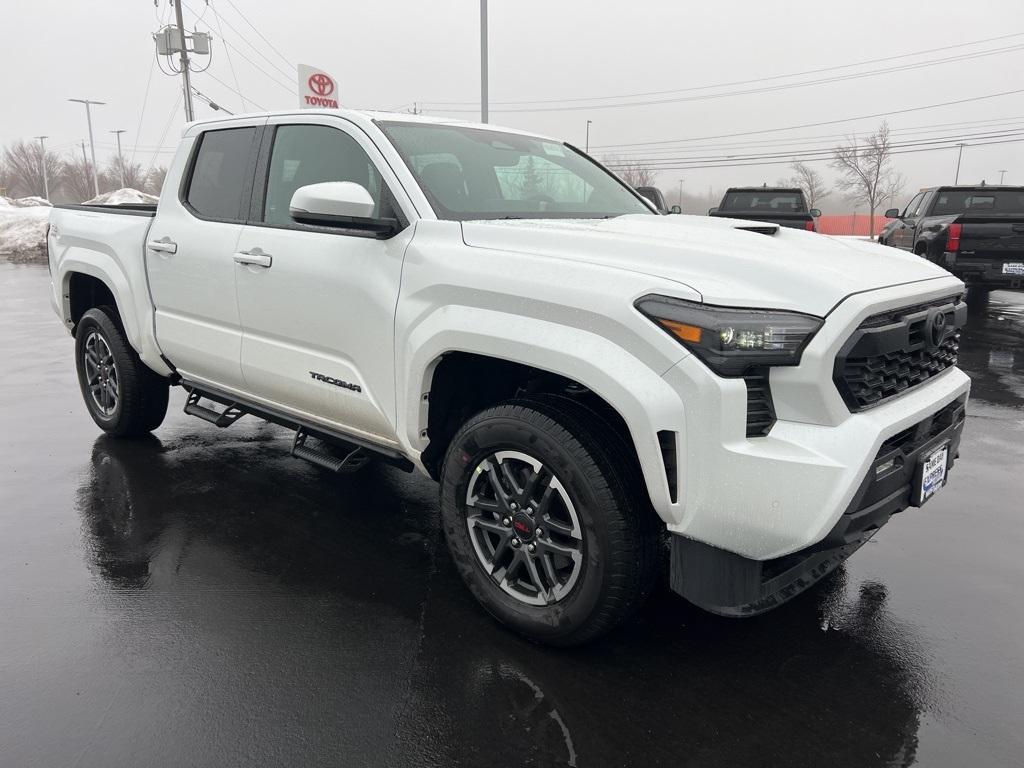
x=523 y=526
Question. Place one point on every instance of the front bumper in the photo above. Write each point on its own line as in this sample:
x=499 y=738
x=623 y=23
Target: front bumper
x=732 y=585
x=763 y=498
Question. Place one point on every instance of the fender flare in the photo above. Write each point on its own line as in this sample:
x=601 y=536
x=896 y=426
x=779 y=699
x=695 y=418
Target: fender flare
x=644 y=400
x=106 y=269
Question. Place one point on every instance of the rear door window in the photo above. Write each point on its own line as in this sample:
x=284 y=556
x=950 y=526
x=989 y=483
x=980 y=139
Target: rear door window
x=221 y=174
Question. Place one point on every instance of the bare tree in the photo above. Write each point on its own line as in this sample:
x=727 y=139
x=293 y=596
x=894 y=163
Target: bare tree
x=23 y=163
x=155 y=180
x=134 y=175
x=76 y=180
x=631 y=172
x=866 y=172
x=810 y=181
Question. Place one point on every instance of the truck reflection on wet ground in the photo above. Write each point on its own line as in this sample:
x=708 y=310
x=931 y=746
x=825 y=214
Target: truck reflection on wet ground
x=200 y=598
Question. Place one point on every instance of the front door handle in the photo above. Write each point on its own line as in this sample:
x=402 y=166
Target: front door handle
x=254 y=258
x=163 y=245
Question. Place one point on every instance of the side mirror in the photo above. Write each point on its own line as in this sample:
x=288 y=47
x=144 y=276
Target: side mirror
x=675 y=209
x=815 y=212
x=341 y=204
x=893 y=213
x=711 y=211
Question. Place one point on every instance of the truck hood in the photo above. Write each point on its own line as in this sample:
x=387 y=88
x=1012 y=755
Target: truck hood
x=791 y=269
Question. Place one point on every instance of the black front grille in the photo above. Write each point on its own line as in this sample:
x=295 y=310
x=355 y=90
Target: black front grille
x=894 y=351
x=760 y=410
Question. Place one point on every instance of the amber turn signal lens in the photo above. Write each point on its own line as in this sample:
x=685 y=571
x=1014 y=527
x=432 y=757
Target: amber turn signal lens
x=682 y=331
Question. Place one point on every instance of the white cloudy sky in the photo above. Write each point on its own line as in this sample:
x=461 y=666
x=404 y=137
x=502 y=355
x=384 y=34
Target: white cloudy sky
x=392 y=54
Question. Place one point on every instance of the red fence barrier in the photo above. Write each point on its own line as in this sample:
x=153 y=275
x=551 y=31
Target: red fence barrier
x=854 y=224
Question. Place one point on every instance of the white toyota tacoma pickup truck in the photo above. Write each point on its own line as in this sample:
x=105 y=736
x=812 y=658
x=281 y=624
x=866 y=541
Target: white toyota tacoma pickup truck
x=584 y=377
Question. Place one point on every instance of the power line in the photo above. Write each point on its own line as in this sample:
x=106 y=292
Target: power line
x=261 y=35
x=145 y=100
x=749 y=91
x=821 y=156
x=818 y=124
x=217 y=79
x=227 y=52
x=937 y=129
x=735 y=82
x=257 y=50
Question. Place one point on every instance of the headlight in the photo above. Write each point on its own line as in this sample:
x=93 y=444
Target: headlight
x=732 y=340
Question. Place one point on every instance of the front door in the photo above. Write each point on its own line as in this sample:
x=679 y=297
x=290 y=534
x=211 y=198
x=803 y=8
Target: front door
x=903 y=236
x=189 y=257
x=317 y=305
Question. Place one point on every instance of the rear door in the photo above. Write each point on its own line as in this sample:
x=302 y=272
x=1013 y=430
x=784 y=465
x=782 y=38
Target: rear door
x=189 y=255
x=318 y=312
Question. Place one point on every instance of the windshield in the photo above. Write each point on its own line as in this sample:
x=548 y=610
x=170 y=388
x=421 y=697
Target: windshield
x=971 y=200
x=475 y=173
x=765 y=201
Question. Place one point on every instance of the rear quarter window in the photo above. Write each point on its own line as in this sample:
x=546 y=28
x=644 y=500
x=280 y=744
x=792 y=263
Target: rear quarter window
x=220 y=182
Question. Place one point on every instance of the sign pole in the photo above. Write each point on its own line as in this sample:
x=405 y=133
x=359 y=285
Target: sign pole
x=483 y=62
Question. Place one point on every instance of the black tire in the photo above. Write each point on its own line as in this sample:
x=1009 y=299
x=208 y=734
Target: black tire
x=140 y=403
x=618 y=530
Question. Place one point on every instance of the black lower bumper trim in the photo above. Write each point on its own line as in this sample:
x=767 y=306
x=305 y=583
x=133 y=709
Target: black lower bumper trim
x=732 y=585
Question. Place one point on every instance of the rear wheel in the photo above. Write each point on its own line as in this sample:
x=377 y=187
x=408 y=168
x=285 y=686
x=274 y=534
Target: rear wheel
x=545 y=523
x=124 y=396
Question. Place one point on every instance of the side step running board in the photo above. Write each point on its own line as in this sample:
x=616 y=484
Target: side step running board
x=222 y=419
x=354 y=459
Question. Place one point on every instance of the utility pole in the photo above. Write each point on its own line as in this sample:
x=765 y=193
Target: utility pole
x=959 y=155
x=587 y=150
x=85 y=158
x=483 y=61
x=92 y=144
x=120 y=159
x=187 y=80
x=1002 y=173
x=42 y=162
x=681 y=192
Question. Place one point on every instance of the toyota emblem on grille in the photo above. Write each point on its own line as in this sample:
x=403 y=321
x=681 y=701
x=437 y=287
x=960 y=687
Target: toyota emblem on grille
x=936 y=328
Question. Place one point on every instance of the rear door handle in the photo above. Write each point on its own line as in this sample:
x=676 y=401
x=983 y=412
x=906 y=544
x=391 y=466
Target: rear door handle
x=164 y=245
x=254 y=258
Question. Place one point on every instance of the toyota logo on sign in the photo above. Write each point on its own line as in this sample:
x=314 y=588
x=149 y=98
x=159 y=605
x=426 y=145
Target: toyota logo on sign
x=317 y=89
x=321 y=84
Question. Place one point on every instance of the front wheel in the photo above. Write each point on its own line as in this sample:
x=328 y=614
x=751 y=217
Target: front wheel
x=545 y=521
x=124 y=396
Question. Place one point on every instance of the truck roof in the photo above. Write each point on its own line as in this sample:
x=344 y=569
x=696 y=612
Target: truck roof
x=971 y=186
x=359 y=116
x=764 y=189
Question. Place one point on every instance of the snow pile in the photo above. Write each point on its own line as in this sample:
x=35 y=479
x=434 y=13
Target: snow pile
x=30 y=202
x=23 y=227
x=122 y=197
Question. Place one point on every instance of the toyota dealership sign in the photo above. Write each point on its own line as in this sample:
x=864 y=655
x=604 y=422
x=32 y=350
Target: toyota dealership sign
x=317 y=89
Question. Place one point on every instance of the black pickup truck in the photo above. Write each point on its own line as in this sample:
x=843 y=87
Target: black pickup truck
x=776 y=205
x=975 y=232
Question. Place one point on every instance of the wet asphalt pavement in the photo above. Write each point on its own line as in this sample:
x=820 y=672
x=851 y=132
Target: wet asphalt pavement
x=200 y=598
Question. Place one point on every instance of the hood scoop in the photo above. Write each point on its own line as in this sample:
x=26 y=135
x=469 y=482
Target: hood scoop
x=761 y=229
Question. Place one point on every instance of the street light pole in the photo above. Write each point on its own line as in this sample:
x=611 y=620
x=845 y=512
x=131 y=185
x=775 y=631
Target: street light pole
x=92 y=145
x=1002 y=174
x=587 y=149
x=483 y=62
x=681 y=192
x=42 y=162
x=959 y=155
x=120 y=159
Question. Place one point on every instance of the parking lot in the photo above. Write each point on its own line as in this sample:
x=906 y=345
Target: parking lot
x=201 y=598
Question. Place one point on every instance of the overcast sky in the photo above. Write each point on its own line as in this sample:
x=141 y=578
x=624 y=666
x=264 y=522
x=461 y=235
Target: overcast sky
x=388 y=55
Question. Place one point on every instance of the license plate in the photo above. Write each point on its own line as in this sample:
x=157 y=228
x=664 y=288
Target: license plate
x=933 y=473
x=1013 y=268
